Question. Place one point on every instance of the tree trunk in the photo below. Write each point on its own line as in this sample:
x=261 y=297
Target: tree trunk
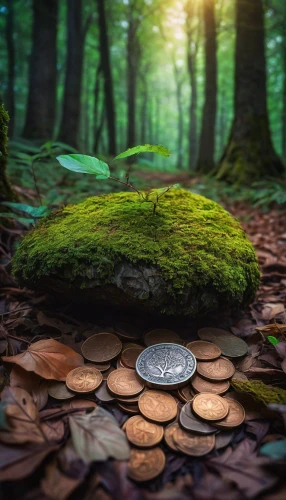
x=96 y=114
x=207 y=138
x=132 y=71
x=249 y=154
x=284 y=95
x=6 y=191
x=144 y=98
x=41 y=107
x=10 y=96
x=108 y=80
x=70 y=122
x=180 y=121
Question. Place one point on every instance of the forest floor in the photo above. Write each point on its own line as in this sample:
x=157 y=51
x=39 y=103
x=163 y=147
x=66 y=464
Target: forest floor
x=235 y=469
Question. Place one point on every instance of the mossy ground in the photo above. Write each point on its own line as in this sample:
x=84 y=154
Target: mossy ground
x=193 y=241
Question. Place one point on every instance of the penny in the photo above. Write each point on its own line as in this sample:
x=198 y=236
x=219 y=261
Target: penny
x=218 y=370
x=129 y=400
x=210 y=406
x=235 y=416
x=223 y=439
x=101 y=347
x=142 y=433
x=119 y=364
x=102 y=367
x=166 y=366
x=133 y=409
x=127 y=331
x=84 y=379
x=168 y=435
x=159 y=336
x=124 y=382
x=190 y=422
x=193 y=444
x=102 y=393
x=202 y=385
x=145 y=465
x=204 y=351
x=158 y=406
x=59 y=390
x=185 y=393
x=79 y=403
x=129 y=356
x=230 y=345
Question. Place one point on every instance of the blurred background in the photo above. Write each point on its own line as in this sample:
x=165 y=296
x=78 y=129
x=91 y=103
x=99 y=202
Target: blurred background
x=206 y=78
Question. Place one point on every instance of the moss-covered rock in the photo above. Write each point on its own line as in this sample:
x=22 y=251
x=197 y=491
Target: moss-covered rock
x=191 y=258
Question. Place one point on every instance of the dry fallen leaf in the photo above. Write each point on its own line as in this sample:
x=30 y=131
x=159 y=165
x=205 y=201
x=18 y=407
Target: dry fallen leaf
x=23 y=417
x=48 y=358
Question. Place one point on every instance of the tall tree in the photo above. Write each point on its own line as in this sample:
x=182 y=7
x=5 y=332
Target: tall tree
x=41 y=106
x=249 y=154
x=192 y=33
x=10 y=95
x=133 y=54
x=284 y=86
x=6 y=192
x=70 y=122
x=207 y=138
x=107 y=76
x=179 y=80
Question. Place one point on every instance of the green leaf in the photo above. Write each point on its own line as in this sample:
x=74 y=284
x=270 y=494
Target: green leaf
x=147 y=148
x=65 y=146
x=275 y=450
x=97 y=436
x=273 y=340
x=36 y=212
x=10 y=215
x=85 y=164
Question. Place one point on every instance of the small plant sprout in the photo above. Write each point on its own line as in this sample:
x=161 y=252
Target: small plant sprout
x=91 y=165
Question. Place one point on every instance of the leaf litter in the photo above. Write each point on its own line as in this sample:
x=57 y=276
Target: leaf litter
x=62 y=448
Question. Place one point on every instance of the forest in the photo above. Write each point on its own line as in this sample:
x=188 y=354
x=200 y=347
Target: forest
x=142 y=249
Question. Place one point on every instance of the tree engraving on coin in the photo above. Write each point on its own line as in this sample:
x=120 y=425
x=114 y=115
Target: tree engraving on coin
x=220 y=369
x=158 y=406
x=84 y=379
x=145 y=464
x=166 y=366
x=124 y=382
x=142 y=433
x=210 y=406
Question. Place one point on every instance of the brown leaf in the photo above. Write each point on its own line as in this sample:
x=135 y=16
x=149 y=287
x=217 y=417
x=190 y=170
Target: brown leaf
x=23 y=417
x=270 y=310
x=40 y=394
x=54 y=430
x=21 y=378
x=48 y=358
x=54 y=323
x=18 y=462
x=57 y=485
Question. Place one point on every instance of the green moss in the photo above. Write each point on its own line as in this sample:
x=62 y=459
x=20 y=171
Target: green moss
x=6 y=192
x=260 y=392
x=193 y=241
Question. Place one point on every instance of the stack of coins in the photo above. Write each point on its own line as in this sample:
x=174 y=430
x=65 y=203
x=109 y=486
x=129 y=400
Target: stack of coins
x=174 y=393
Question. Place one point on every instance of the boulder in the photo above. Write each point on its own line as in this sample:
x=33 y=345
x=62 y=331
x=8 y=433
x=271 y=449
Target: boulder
x=190 y=258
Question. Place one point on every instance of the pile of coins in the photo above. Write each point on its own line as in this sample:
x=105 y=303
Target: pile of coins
x=174 y=391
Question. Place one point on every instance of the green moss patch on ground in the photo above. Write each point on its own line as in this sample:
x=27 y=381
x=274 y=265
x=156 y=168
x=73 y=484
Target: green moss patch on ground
x=193 y=241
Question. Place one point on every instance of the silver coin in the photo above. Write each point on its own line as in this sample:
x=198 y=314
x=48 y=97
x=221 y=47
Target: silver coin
x=166 y=366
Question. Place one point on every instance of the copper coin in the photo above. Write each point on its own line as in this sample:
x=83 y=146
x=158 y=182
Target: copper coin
x=204 y=351
x=202 y=385
x=102 y=393
x=160 y=336
x=129 y=400
x=127 y=331
x=239 y=376
x=185 y=393
x=210 y=406
x=193 y=444
x=132 y=409
x=220 y=369
x=235 y=416
x=84 y=379
x=124 y=382
x=168 y=435
x=119 y=364
x=223 y=439
x=102 y=367
x=142 y=433
x=59 y=390
x=158 y=406
x=101 y=347
x=145 y=465
x=230 y=345
x=190 y=422
x=129 y=356
x=79 y=403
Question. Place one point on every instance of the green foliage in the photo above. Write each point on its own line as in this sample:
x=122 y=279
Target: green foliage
x=147 y=148
x=85 y=165
x=273 y=340
x=192 y=240
x=34 y=212
x=261 y=392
